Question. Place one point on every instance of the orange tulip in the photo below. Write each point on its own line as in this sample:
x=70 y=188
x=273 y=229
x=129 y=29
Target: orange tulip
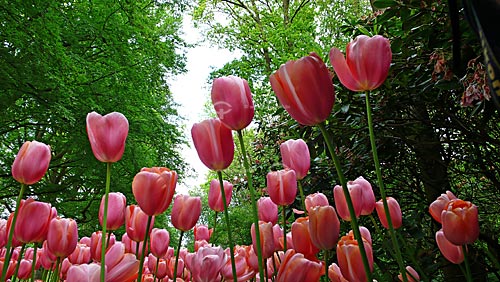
x=295 y=155
x=185 y=212
x=366 y=65
x=154 y=189
x=394 y=211
x=460 y=222
x=232 y=101
x=62 y=236
x=301 y=238
x=31 y=162
x=324 y=227
x=450 y=251
x=107 y=135
x=295 y=267
x=214 y=143
x=305 y=89
x=349 y=258
x=214 y=195
x=437 y=207
x=282 y=187
x=335 y=274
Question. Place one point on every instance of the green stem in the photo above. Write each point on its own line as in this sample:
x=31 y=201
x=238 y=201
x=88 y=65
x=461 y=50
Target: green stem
x=352 y=213
x=104 y=222
x=57 y=270
x=156 y=269
x=283 y=212
x=254 y=204
x=378 y=171
x=228 y=224
x=327 y=257
x=21 y=253
x=33 y=264
x=11 y=234
x=468 y=273
x=302 y=198
x=144 y=246
x=177 y=256
x=215 y=221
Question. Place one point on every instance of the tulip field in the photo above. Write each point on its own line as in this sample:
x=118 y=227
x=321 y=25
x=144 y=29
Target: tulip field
x=352 y=163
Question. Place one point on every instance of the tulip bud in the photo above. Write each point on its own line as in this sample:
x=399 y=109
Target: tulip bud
x=154 y=189
x=324 y=227
x=394 y=212
x=267 y=210
x=116 y=210
x=31 y=162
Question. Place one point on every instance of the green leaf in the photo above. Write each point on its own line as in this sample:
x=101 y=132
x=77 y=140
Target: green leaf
x=381 y=4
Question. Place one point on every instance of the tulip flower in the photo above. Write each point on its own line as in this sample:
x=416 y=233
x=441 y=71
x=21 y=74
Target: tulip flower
x=394 y=211
x=282 y=187
x=62 y=236
x=295 y=267
x=301 y=238
x=349 y=258
x=214 y=143
x=159 y=241
x=124 y=269
x=96 y=244
x=10 y=268
x=136 y=223
x=116 y=210
x=295 y=156
x=31 y=162
x=335 y=274
x=267 y=210
x=450 y=251
x=411 y=275
x=201 y=232
x=366 y=64
x=33 y=221
x=305 y=89
x=214 y=195
x=437 y=207
x=266 y=238
x=80 y=255
x=324 y=227
x=362 y=196
x=84 y=273
x=244 y=271
x=107 y=135
x=3 y=232
x=460 y=222
x=315 y=200
x=232 y=101
x=206 y=263
x=162 y=270
x=185 y=212
x=154 y=189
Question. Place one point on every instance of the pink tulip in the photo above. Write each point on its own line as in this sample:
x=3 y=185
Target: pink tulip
x=206 y=263
x=31 y=162
x=154 y=189
x=266 y=238
x=159 y=241
x=362 y=197
x=185 y=212
x=136 y=223
x=282 y=187
x=232 y=101
x=437 y=207
x=244 y=272
x=267 y=210
x=295 y=155
x=96 y=244
x=62 y=236
x=107 y=135
x=214 y=143
x=33 y=220
x=411 y=275
x=366 y=64
x=162 y=270
x=201 y=232
x=121 y=266
x=315 y=200
x=3 y=233
x=349 y=258
x=335 y=274
x=24 y=271
x=84 y=273
x=301 y=238
x=10 y=269
x=214 y=195
x=394 y=212
x=324 y=227
x=295 y=267
x=80 y=255
x=116 y=210
x=305 y=89
x=450 y=251
x=278 y=238
x=460 y=222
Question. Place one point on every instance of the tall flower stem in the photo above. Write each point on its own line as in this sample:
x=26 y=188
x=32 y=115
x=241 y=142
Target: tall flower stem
x=302 y=198
x=228 y=225
x=380 y=181
x=177 y=255
x=327 y=257
x=144 y=247
x=21 y=254
x=283 y=212
x=254 y=205
x=104 y=221
x=215 y=219
x=8 y=247
x=33 y=264
x=468 y=274
x=352 y=213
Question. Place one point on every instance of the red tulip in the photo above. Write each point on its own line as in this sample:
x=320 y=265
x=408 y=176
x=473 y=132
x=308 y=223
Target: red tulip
x=31 y=162
x=159 y=241
x=301 y=238
x=324 y=227
x=437 y=207
x=282 y=187
x=214 y=195
x=349 y=258
x=33 y=220
x=295 y=267
x=62 y=236
x=154 y=189
x=107 y=135
x=266 y=238
x=450 y=251
x=232 y=101
x=214 y=143
x=267 y=210
x=295 y=155
x=305 y=89
x=460 y=222
x=136 y=223
x=394 y=211
x=116 y=210
x=367 y=63
x=206 y=264
x=315 y=200
x=84 y=273
x=362 y=197
x=185 y=212
x=411 y=275
x=201 y=232
x=335 y=274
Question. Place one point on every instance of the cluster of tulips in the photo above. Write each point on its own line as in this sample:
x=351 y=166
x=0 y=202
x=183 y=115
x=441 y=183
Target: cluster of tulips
x=43 y=246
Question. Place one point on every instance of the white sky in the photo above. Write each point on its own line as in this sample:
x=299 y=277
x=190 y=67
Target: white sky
x=192 y=91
